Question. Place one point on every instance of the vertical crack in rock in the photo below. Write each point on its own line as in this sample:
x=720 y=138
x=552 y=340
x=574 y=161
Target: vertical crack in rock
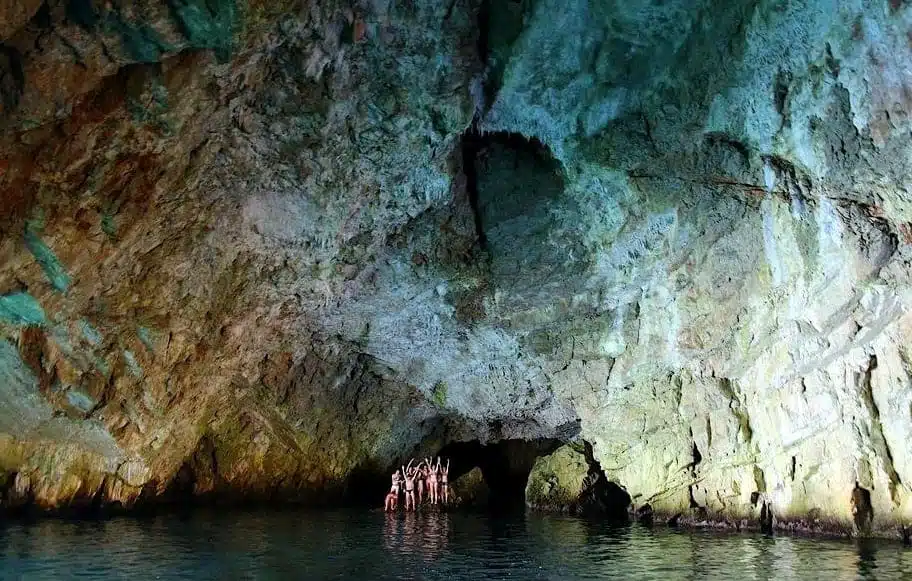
x=471 y=147
x=862 y=509
x=737 y=409
x=696 y=459
x=878 y=440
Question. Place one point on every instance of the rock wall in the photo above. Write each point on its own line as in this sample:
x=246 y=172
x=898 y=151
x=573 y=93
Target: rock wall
x=259 y=249
x=739 y=195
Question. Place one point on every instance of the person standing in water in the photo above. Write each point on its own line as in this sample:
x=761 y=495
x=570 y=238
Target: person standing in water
x=410 y=475
x=422 y=481
x=444 y=480
x=392 y=498
x=432 y=483
x=391 y=501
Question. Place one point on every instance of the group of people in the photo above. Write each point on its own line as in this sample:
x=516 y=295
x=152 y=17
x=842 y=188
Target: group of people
x=425 y=478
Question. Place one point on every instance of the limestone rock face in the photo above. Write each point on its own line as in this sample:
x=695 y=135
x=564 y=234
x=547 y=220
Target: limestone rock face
x=254 y=249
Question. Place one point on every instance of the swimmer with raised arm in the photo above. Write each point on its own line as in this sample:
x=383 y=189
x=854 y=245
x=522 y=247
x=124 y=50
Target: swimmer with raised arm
x=410 y=475
x=422 y=481
x=444 y=480
x=433 y=482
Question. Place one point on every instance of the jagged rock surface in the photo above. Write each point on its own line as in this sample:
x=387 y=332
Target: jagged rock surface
x=245 y=250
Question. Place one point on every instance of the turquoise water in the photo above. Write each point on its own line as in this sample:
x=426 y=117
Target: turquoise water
x=371 y=545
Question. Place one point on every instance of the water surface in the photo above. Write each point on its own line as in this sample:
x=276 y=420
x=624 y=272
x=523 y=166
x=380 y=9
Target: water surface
x=365 y=545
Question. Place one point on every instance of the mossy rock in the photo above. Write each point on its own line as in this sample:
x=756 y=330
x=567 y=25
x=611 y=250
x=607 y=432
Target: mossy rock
x=439 y=395
x=556 y=481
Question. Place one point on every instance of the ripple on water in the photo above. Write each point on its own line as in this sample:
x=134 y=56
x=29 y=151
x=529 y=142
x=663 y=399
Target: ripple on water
x=451 y=547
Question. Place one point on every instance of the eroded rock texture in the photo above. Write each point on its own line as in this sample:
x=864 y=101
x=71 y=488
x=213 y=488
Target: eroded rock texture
x=258 y=249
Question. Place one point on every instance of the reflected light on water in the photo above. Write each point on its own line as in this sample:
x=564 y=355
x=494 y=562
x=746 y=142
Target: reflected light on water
x=374 y=545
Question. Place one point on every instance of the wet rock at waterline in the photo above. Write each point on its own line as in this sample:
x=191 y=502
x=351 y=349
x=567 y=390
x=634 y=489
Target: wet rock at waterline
x=569 y=480
x=269 y=251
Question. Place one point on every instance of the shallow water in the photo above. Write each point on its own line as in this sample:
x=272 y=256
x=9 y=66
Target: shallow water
x=370 y=545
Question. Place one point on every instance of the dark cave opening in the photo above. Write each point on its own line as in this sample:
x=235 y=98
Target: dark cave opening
x=505 y=466
x=601 y=496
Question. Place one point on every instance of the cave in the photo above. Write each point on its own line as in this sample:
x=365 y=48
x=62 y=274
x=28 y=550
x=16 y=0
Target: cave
x=505 y=466
x=260 y=253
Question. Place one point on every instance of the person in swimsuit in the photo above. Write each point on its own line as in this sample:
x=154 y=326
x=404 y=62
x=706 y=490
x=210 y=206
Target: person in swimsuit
x=444 y=478
x=432 y=483
x=410 y=475
x=392 y=499
x=422 y=481
x=393 y=494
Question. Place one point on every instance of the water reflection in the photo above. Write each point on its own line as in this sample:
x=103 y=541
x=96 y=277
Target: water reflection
x=375 y=545
x=422 y=535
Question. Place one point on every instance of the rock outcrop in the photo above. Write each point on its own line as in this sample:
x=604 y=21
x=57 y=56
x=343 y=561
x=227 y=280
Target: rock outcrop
x=267 y=250
x=471 y=490
x=558 y=480
x=570 y=481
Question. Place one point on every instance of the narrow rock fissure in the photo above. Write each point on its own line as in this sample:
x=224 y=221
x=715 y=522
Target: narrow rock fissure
x=471 y=145
x=877 y=434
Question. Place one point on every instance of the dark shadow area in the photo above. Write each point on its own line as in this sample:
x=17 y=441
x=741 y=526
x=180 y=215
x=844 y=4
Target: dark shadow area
x=523 y=220
x=600 y=496
x=509 y=176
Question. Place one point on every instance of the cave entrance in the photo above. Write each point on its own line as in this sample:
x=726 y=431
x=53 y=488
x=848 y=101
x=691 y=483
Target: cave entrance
x=504 y=465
